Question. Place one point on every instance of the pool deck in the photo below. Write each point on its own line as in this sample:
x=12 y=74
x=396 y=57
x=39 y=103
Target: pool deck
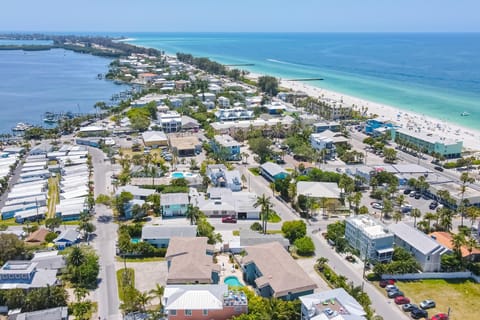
x=227 y=269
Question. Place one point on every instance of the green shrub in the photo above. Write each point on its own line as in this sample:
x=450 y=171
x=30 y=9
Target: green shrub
x=50 y=237
x=305 y=246
x=256 y=226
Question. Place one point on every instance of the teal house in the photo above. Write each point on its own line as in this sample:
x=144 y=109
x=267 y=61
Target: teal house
x=272 y=171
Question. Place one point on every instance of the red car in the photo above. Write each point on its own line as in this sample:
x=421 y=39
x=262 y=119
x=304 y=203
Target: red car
x=440 y=316
x=229 y=219
x=384 y=283
x=401 y=300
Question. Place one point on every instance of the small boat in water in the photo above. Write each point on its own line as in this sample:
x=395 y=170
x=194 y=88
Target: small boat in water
x=20 y=127
x=464 y=114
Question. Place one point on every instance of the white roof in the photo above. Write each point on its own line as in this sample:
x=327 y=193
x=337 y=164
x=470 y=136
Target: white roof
x=154 y=136
x=318 y=189
x=195 y=297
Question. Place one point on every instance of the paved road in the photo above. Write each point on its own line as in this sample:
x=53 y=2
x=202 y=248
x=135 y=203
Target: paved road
x=380 y=303
x=104 y=242
x=383 y=306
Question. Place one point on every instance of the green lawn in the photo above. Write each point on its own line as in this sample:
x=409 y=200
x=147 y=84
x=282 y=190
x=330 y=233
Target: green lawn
x=148 y=259
x=462 y=296
x=125 y=278
x=254 y=171
x=274 y=218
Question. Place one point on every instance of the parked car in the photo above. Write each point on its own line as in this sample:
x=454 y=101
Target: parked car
x=391 y=287
x=419 y=313
x=406 y=208
x=394 y=293
x=440 y=316
x=427 y=304
x=407 y=191
x=229 y=219
x=409 y=307
x=418 y=195
x=412 y=194
x=433 y=205
x=438 y=168
x=401 y=300
x=384 y=283
x=377 y=205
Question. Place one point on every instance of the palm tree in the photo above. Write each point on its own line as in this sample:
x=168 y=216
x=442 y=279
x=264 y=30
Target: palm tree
x=415 y=213
x=76 y=256
x=87 y=227
x=193 y=214
x=473 y=213
x=357 y=198
x=471 y=244
x=445 y=216
x=429 y=216
x=143 y=298
x=158 y=292
x=458 y=241
x=265 y=204
x=464 y=178
x=397 y=216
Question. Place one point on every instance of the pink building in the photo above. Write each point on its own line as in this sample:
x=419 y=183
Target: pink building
x=203 y=302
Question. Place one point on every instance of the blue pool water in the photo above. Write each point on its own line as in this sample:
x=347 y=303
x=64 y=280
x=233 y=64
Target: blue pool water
x=179 y=175
x=135 y=240
x=233 y=281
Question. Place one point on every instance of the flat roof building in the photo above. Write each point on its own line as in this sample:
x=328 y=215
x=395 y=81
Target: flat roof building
x=370 y=237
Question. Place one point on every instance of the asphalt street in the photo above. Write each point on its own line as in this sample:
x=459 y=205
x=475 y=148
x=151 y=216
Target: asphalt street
x=104 y=242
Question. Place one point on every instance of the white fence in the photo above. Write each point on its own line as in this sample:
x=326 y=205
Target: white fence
x=432 y=275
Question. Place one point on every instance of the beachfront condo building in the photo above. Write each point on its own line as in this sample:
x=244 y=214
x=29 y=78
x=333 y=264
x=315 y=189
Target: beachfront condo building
x=370 y=237
x=428 y=142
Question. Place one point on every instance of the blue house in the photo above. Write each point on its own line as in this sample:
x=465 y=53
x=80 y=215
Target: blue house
x=272 y=171
x=227 y=143
x=174 y=204
x=9 y=212
x=376 y=127
x=67 y=238
x=270 y=269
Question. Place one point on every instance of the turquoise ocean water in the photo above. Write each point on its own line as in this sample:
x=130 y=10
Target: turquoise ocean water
x=434 y=74
x=34 y=82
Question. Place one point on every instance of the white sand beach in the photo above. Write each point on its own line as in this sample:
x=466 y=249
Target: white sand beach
x=407 y=119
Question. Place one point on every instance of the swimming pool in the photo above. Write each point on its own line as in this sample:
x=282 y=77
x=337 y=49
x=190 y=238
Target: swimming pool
x=232 y=281
x=135 y=240
x=179 y=175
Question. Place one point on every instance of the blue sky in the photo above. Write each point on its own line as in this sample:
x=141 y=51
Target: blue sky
x=241 y=15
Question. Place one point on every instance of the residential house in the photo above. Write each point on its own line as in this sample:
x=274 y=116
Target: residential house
x=320 y=127
x=426 y=250
x=318 y=190
x=446 y=240
x=170 y=121
x=331 y=304
x=24 y=274
x=222 y=178
x=59 y=313
x=326 y=142
x=223 y=102
x=203 y=302
x=174 y=204
x=137 y=192
x=159 y=236
x=272 y=171
x=190 y=124
x=185 y=145
x=67 y=238
x=190 y=261
x=49 y=259
x=234 y=114
x=154 y=139
x=271 y=270
x=37 y=236
x=275 y=108
x=226 y=146
x=130 y=206
x=223 y=202
x=371 y=238
x=249 y=238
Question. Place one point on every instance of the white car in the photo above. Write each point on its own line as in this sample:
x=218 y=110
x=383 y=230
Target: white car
x=377 y=205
